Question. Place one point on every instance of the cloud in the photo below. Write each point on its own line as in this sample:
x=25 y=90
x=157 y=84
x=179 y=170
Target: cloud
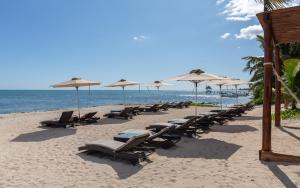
x=241 y=10
x=249 y=32
x=139 y=38
x=245 y=10
x=220 y=2
x=225 y=35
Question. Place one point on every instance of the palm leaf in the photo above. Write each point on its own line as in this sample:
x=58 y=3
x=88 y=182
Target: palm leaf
x=273 y=4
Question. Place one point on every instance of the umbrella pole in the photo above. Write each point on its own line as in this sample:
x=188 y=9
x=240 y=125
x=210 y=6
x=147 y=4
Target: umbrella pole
x=221 y=97
x=236 y=93
x=159 y=97
x=124 y=96
x=196 y=107
x=77 y=94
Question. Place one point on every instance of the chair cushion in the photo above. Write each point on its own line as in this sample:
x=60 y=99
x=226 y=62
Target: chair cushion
x=109 y=144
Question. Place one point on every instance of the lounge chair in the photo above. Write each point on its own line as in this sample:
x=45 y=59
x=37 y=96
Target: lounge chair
x=187 y=103
x=126 y=113
x=164 y=107
x=212 y=117
x=119 y=150
x=160 y=139
x=153 y=108
x=64 y=120
x=188 y=128
x=87 y=118
x=177 y=105
x=202 y=122
x=136 y=110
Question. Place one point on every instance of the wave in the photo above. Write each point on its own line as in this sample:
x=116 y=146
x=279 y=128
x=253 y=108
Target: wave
x=203 y=96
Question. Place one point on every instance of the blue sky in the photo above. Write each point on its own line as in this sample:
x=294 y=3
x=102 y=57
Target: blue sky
x=44 y=42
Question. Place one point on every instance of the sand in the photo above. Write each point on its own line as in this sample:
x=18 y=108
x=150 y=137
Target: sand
x=227 y=156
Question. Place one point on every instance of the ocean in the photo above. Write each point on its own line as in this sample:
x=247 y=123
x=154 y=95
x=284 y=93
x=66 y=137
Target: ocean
x=12 y=101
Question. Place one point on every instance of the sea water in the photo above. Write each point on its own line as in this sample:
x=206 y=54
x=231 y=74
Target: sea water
x=12 y=101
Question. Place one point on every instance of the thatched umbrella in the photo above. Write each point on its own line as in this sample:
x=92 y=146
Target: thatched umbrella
x=196 y=76
x=158 y=84
x=76 y=82
x=123 y=83
x=236 y=83
x=220 y=83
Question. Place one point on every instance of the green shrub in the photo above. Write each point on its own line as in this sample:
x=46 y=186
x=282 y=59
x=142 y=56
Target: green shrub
x=289 y=114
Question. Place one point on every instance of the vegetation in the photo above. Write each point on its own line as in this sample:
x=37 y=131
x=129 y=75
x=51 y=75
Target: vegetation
x=289 y=114
x=290 y=54
x=273 y=4
x=255 y=67
x=291 y=77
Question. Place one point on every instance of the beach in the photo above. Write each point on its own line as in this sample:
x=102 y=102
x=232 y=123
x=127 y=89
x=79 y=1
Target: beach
x=227 y=156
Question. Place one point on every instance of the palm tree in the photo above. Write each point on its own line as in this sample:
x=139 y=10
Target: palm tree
x=291 y=77
x=273 y=4
x=254 y=65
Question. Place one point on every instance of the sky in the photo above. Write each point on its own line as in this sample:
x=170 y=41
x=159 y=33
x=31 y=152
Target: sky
x=49 y=41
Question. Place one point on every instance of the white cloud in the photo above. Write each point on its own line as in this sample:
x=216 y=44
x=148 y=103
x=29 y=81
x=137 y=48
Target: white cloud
x=245 y=10
x=249 y=32
x=225 y=35
x=139 y=38
x=220 y=2
x=241 y=10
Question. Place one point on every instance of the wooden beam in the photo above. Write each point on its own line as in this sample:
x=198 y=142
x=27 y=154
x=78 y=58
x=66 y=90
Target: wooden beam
x=285 y=24
x=270 y=156
x=266 y=136
x=278 y=67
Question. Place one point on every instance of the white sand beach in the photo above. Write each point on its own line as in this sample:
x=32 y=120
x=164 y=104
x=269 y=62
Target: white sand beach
x=227 y=156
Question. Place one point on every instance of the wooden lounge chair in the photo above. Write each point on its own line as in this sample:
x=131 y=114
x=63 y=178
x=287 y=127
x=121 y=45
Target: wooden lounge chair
x=202 y=122
x=188 y=128
x=126 y=113
x=211 y=117
x=153 y=108
x=161 y=139
x=64 y=120
x=187 y=103
x=177 y=105
x=136 y=110
x=164 y=107
x=87 y=118
x=128 y=151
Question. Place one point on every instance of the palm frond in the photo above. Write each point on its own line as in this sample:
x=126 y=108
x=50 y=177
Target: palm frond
x=273 y=4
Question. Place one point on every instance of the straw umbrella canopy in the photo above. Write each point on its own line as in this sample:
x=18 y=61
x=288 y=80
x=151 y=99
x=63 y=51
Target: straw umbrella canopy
x=123 y=83
x=196 y=76
x=76 y=83
x=220 y=83
x=158 y=84
x=236 y=83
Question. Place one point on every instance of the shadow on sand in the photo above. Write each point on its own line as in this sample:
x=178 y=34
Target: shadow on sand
x=154 y=113
x=289 y=133
x=233 y=128
x=249 y=118
x=282 y=177
x=123 y=169
x=200 y=148
x=43 y=135
x=107 y=121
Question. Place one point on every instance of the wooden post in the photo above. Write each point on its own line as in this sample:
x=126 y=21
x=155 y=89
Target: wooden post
x=278 y=67
x=266 y=137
